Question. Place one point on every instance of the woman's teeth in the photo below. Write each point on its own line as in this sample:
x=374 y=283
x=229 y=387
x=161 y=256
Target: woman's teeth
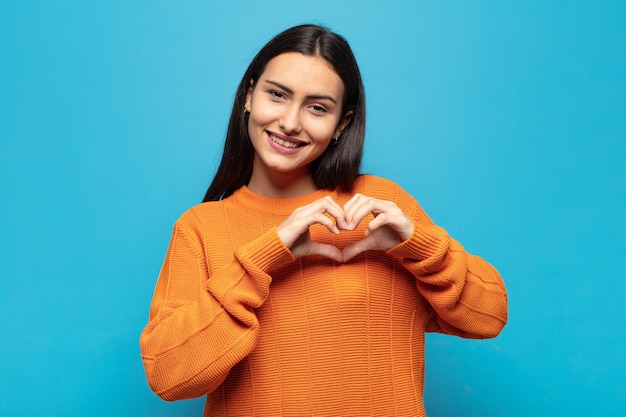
x=285 y=143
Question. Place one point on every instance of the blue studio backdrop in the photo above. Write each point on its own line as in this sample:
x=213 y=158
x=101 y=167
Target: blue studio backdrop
x=505 y=119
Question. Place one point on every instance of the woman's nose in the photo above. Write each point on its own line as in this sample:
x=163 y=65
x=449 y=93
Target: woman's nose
x=290 y=120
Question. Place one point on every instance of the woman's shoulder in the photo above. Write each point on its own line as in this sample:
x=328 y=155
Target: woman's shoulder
x=201 y=213
x=372 y=184
x=384 y=189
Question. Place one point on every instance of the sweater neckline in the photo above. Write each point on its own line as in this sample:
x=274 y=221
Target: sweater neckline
x=272 y=205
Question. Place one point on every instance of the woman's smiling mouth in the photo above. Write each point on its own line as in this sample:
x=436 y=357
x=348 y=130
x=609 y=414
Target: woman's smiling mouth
x=284 y=142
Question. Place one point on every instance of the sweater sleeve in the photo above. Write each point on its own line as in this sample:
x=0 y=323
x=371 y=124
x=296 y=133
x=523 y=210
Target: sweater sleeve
x=466 y=293
x=201 y=326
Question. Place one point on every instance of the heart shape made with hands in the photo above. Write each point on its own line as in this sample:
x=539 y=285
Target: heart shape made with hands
x=381 y=238
x=389 y=226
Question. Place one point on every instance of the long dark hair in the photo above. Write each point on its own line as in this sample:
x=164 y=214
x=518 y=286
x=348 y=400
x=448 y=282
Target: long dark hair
x=339 y=165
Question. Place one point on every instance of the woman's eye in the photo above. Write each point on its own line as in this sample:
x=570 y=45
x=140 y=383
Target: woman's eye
x=276 y=94
x=319 y=109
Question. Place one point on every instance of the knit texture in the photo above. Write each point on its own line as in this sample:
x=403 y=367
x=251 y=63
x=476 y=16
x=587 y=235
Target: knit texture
x=237 y=318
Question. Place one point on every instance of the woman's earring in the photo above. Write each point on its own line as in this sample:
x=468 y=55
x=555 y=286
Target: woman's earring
x=334 y=141
x=246 y=112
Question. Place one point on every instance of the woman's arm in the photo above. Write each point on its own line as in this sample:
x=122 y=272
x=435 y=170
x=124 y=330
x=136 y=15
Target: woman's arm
x=467 y=294
x=201 y=326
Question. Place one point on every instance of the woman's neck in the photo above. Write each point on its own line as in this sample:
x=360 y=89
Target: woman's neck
x=281 y=185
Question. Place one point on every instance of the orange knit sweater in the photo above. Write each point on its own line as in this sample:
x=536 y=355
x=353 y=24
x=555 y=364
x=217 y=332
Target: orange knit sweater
x=236 y=317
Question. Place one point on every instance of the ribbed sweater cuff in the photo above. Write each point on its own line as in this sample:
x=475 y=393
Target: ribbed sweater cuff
x=424 y=243
x=266 y=252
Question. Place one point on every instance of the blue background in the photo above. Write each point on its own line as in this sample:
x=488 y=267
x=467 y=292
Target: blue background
x=506 y=120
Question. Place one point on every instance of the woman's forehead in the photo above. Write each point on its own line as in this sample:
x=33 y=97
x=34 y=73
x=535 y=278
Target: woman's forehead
x=305 y=72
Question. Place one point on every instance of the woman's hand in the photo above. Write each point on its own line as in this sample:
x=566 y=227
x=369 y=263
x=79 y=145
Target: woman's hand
x=389 y=227
x=294 y=231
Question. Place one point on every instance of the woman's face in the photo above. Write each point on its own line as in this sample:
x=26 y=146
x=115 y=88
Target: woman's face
x=295 y=109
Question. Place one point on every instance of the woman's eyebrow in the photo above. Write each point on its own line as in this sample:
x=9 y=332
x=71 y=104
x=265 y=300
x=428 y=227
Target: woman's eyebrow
x=290 y=91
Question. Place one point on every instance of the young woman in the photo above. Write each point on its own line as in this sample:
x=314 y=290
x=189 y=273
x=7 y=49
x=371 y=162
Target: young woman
x=300 y=287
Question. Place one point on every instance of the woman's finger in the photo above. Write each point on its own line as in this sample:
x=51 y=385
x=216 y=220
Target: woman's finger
x=386 y=213
x=325 y=221
x=323 y=205
x=304 y=217
x=360 y=206
x=328 y=251
x=396 y=220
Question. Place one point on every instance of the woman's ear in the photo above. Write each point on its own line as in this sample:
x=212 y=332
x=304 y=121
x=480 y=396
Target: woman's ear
x=249 y=96
x=345 y=120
